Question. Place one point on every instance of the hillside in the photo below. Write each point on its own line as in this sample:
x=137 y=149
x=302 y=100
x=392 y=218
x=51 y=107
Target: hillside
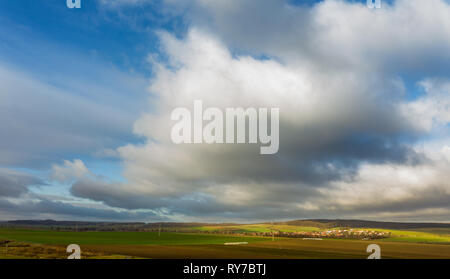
x=140 y=226
x=326 y=223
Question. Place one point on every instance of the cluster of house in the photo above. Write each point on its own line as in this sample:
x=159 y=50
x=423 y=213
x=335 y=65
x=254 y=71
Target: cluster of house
x=334 y=233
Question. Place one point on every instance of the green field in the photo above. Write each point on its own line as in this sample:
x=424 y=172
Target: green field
x=418 y=236
x=436 y=235
x=118 y=238
x=257 y=228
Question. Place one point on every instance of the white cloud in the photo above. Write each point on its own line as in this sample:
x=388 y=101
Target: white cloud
x=389 y=187
x=408 y=38
x=70 y=171
x=321 y=113
x=433 y=109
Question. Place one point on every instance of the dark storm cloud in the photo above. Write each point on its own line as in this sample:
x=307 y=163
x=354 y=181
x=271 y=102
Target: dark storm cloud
x=15 y=184
x=50 y=209
x=114 y=195
x=434 y=196
x=18 y=202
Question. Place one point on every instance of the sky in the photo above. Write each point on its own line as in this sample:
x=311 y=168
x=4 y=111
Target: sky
x=86 y=96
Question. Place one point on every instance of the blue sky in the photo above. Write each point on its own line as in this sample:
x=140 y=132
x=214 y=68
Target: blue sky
x=69 y=48
x=90 y=30
x=82 y=85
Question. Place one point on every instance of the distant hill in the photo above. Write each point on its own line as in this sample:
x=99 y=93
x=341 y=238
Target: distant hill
x=139 y=226
x=101 y=226
x=66 y=223
x=89 y=223
x=327 y=223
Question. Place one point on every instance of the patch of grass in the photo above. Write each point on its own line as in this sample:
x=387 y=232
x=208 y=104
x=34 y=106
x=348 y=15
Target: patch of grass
x=437 y=231
x=416 y=236
x=19 y=250
x=258 y=228
x=284 y=248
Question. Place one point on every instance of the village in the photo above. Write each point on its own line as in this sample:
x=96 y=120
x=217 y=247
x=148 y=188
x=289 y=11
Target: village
x=361 y=234
x=334 y=233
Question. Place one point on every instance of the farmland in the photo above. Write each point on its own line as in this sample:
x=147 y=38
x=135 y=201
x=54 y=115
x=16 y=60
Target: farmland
x=117 y=238
x=207 y=241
